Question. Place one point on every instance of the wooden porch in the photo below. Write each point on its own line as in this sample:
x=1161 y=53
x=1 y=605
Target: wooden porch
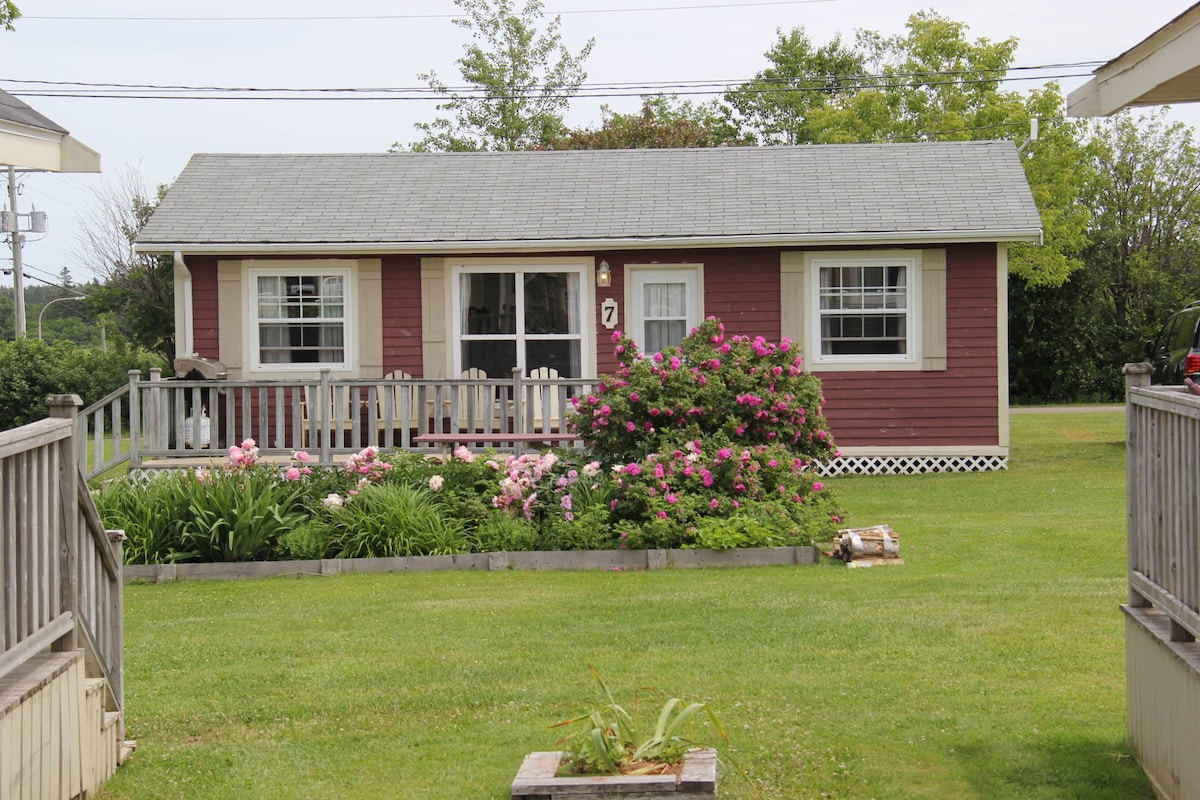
x=1162 y=616
x=162 y=423
x=61 y=628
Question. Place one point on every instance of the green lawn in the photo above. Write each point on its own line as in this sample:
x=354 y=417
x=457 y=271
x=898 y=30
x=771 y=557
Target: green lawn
x=989 y=665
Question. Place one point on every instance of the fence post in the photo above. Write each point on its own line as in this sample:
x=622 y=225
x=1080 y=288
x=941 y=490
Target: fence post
x=117 y=620
x=157 y=426
x=1136 y=376
x=322 y=413
x=66 y=406
x=518 y=408
x=135 y=419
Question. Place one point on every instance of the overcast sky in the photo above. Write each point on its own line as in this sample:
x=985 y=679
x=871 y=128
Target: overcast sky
x=281 y=49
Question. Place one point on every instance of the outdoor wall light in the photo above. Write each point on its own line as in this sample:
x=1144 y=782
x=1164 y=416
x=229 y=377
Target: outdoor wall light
x=604 y=276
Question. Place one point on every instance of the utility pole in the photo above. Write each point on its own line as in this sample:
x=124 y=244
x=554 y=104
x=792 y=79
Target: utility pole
x=18 y=280
x=12 y=226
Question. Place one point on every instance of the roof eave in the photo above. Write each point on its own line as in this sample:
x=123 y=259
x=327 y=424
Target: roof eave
x=1162 y=68
x=564 y=245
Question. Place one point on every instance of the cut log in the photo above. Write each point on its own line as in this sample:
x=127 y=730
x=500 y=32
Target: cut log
x=877 y=541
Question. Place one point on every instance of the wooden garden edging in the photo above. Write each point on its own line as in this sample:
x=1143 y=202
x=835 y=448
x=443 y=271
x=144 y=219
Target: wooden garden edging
x=483 y=562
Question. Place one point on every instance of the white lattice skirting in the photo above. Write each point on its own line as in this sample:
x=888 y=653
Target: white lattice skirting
x=911 y=465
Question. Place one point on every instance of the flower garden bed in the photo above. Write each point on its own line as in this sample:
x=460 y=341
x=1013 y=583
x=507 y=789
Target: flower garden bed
x=704 y=447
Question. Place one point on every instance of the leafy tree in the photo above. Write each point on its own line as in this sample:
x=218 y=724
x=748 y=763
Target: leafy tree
x=1058 y=165
x=136 y=292
x=1142 y=185
x=929 y=84
x=774 y=107
x=523 y=80
x=9 y=13
x=1145 y=236
x=660 y=123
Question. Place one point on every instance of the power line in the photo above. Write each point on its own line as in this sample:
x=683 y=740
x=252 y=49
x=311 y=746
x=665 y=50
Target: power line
x=365 y=96
x=822 y=78
x=373 y=17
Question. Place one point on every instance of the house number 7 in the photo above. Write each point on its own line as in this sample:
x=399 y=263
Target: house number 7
x=608 y=313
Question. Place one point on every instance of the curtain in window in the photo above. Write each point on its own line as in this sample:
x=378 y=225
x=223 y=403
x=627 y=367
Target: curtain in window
x=664 y=309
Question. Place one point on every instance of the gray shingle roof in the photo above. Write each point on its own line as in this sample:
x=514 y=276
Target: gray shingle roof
x=595 y=196
x=14 y=110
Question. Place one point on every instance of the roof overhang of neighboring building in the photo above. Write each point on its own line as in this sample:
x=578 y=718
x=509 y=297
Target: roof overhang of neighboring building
x=1162 y=69
x=31 y=141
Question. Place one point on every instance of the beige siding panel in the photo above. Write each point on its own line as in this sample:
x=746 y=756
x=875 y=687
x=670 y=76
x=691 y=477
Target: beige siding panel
x=434 y=318
x=230 y=316
x=1163 y=686
x=933 y=309
x=370 y=318
x=791 y=296
x=1002 y=336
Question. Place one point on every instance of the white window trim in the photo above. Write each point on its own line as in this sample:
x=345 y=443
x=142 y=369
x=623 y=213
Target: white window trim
x=634 y=323
x=286 y=269
x=585 y=268
x=912 y=359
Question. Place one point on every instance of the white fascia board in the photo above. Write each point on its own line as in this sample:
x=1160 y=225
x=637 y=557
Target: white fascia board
x=1134 y=77
x=570 y=245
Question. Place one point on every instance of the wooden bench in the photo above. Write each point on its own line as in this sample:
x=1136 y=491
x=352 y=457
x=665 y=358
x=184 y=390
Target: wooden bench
x=517 y=439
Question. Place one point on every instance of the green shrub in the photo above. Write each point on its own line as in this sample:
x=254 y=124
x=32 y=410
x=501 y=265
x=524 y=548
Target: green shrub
x=30 y=370
x=498 y=533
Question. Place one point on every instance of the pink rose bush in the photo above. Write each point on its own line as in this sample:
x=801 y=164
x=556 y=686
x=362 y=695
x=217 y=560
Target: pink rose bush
x=734 y=389
x=724 y=427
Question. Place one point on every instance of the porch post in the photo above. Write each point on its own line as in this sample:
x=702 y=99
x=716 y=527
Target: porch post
x=157 y=426
x=135 y=419
x=1136 y=376
x=518 y=408
x=66 y=406
x=322 y=413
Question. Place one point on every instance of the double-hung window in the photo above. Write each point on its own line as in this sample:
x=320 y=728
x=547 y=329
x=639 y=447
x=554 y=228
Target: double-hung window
x=300 y=317
x=866 y=310
x=528 y=317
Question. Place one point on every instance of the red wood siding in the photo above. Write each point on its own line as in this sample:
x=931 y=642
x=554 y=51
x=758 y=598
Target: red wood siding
x=957 y=406
x=402 y=343
x=206 y=332
x=741 y=288
x=954 y=407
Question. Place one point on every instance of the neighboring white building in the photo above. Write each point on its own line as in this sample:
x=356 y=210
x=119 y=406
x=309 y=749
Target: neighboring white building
x=1162 y=69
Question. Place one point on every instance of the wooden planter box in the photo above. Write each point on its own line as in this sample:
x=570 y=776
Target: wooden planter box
x=697 y=781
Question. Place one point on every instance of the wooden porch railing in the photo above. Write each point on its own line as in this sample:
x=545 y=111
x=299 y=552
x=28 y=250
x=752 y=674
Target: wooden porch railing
x=167 y=422
x=61 y=571
x=1164 y=502
x=1162 y=617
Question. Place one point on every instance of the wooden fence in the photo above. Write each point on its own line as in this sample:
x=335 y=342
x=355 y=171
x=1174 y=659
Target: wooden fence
x=168 y=422
x=1163 y=611
x=62 y=606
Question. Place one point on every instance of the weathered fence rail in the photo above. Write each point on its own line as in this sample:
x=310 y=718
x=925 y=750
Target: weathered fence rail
x=1163 y=611
x=61 y=570
x=165 y=422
